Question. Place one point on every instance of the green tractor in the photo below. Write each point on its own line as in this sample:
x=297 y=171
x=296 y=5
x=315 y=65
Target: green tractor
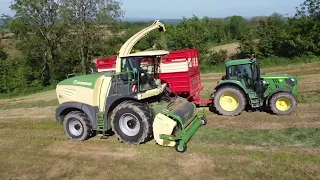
x=128 y=102
x=243 y=86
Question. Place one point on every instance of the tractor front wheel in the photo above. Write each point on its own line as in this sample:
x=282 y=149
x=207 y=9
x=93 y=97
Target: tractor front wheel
x=132 y=122
x=77 y=126
x=229 y=101
x=282 y=103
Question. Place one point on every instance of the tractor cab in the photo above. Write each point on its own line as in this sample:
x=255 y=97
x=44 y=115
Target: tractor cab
x=246 y=71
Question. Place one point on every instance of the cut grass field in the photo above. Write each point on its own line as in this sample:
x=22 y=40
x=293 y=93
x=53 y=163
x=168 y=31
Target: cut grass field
x=254 y=145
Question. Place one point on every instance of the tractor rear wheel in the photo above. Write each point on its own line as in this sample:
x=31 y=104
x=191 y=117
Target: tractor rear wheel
x=229 y=101
x=282 y=103
x=132 y=122
x=77 y=126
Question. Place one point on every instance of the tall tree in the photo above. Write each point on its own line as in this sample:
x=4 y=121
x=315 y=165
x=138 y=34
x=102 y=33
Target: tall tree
x=37 y=24
x=309 y=8
x=90 y=21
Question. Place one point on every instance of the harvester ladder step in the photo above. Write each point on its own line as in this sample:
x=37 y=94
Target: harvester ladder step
x=100 y=122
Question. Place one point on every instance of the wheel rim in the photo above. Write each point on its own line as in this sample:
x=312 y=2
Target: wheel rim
x=129 y=124
x=283 y=104
x=75 y=127
x=229 y=102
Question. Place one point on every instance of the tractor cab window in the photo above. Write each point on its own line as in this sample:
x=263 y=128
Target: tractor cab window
x=242 y=73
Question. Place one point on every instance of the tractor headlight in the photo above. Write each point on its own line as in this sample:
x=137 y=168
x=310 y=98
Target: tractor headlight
x=290 y=82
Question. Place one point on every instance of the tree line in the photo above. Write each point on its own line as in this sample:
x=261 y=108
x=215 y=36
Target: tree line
x=60 y=37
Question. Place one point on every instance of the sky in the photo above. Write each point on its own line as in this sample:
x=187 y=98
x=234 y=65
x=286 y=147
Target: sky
x=176 y=9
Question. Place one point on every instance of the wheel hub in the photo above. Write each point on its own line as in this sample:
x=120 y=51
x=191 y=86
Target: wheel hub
x=283 y=104
x=75 y=127
x=129 y=124
x=229 y=102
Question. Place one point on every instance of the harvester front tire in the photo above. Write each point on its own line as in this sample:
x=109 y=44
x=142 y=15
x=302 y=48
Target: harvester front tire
x=77 y=126
x=282 y=103
x=132 y=122
x=236 y=94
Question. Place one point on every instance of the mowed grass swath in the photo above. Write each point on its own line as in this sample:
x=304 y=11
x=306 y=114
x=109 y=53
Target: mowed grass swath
x=254 y=145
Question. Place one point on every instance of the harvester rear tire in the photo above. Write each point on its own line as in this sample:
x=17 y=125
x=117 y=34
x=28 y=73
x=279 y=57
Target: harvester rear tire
x=282 y=95
x=132 y=122
x=77 y=126
x=229 y=90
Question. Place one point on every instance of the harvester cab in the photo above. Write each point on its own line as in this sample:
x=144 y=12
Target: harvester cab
x=244 y=86
x=128 y=101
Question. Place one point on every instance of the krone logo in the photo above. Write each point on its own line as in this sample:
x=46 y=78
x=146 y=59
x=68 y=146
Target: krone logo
x=82 y=83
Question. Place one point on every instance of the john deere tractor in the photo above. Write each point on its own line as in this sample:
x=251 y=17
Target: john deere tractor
x=128 y=102
x=243 y=86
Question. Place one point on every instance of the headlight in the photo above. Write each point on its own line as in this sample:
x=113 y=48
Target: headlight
x=293 y=80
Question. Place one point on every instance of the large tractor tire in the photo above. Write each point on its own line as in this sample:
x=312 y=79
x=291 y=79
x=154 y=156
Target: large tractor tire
x=77 y=126
x=132 y=122
x=282 y=103
x=229 y=101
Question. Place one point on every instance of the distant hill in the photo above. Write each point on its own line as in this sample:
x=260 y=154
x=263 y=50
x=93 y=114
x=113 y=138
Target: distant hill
x=166 y=21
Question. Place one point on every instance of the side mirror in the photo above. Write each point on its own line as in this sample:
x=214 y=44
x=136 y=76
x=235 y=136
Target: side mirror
x=71 y=75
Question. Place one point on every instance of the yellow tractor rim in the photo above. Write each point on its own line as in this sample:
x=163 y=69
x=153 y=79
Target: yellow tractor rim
x=229 y=102
x=283 y=104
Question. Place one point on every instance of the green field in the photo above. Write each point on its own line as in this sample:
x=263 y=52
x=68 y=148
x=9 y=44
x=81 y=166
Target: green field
x=254 y=145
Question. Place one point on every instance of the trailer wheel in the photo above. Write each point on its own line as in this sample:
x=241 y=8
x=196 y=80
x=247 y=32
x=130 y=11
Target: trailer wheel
x=181 y=149
x=203 y=121
x=229 y=101
x=77 y=126
x=132 y=122
x=282 y=103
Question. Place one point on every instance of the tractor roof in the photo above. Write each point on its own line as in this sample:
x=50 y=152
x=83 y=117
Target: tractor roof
x=147 y=53
x=239 y=61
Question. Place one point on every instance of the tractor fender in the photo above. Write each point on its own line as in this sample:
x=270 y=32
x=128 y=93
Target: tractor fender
x=275 y=92
x=65 y=108
x=231 y=83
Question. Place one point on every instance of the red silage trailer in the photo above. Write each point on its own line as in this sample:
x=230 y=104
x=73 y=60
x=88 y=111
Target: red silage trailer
x=179 y=69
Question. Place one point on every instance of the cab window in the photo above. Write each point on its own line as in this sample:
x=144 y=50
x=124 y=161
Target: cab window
x=240 y=71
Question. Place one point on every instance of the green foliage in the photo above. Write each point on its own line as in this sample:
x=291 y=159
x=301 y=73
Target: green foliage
x=190 y=33
x=3 y=55
x=88 y=22
x=288 y=37
x=56 y=38
x=214 y=58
